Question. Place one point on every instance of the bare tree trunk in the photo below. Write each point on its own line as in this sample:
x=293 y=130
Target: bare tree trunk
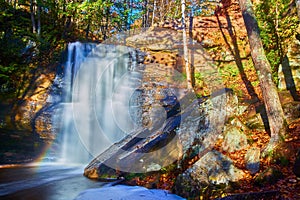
x=298 y=8
x=32 y=13
x=192 y=61
x=15 y=4
x=39 y=21
x=153 y=13
x=106 y=23
x=271 y=99
x=185 y=49
x=146 y=14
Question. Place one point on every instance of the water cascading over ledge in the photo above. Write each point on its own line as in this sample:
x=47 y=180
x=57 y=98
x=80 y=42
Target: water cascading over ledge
x=99 y=82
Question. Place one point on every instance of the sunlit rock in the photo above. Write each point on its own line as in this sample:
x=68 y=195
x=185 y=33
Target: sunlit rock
x=234 y=139
x=291 y=111
x=289 y=70
x=252 y=160
x=211 y=169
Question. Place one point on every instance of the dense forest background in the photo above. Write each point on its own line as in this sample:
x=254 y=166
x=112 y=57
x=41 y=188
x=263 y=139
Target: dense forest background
x=34 y=33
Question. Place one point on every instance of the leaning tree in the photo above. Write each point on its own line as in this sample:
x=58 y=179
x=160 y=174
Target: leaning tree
x=263 y=68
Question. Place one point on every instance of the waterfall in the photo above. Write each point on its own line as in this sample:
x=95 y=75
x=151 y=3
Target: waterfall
x=99 y=84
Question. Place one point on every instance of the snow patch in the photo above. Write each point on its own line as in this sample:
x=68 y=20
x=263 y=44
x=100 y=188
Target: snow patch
x=123 y=192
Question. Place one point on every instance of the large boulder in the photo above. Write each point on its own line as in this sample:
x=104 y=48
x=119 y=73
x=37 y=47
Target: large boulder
x=185 y=134
x=212 y=169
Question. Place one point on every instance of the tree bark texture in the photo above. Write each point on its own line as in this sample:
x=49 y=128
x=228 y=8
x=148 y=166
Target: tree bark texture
x=185 y=48
x=269 y=91
x=298 y=8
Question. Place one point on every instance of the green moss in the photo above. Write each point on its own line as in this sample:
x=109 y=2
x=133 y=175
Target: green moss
x=130 y=176
x=283 y=161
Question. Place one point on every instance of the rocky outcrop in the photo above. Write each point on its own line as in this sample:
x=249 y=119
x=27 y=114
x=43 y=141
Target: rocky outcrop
x=34 y=101
x=178 y=137
x=218 y=33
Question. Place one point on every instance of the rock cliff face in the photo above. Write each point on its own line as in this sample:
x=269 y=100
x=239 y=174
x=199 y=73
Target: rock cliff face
x=222 y=35
x=34 y=101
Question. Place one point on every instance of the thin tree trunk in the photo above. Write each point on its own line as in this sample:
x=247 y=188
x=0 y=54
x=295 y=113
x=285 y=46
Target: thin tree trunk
x=185 y=49
x=106 y=23
x=87 y=30
x=271 y=99
x=146 y=14
x=153 y=13
x=298 y=8
x=39 y=21
x=192 y=61
x=15 y=4
x=32 y=16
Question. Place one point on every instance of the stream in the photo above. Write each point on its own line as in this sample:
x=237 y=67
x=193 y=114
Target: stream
x=44 y=181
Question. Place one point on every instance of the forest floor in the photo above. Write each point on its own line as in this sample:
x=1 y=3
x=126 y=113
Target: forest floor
x=288 y=186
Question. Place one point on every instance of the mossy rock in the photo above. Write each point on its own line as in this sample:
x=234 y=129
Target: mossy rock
x=282 y=154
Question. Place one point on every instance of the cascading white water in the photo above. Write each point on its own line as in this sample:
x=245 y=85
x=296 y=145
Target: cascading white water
x=99 y=82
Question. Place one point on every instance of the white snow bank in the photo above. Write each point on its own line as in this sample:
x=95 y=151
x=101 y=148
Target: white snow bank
x=123 y=192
